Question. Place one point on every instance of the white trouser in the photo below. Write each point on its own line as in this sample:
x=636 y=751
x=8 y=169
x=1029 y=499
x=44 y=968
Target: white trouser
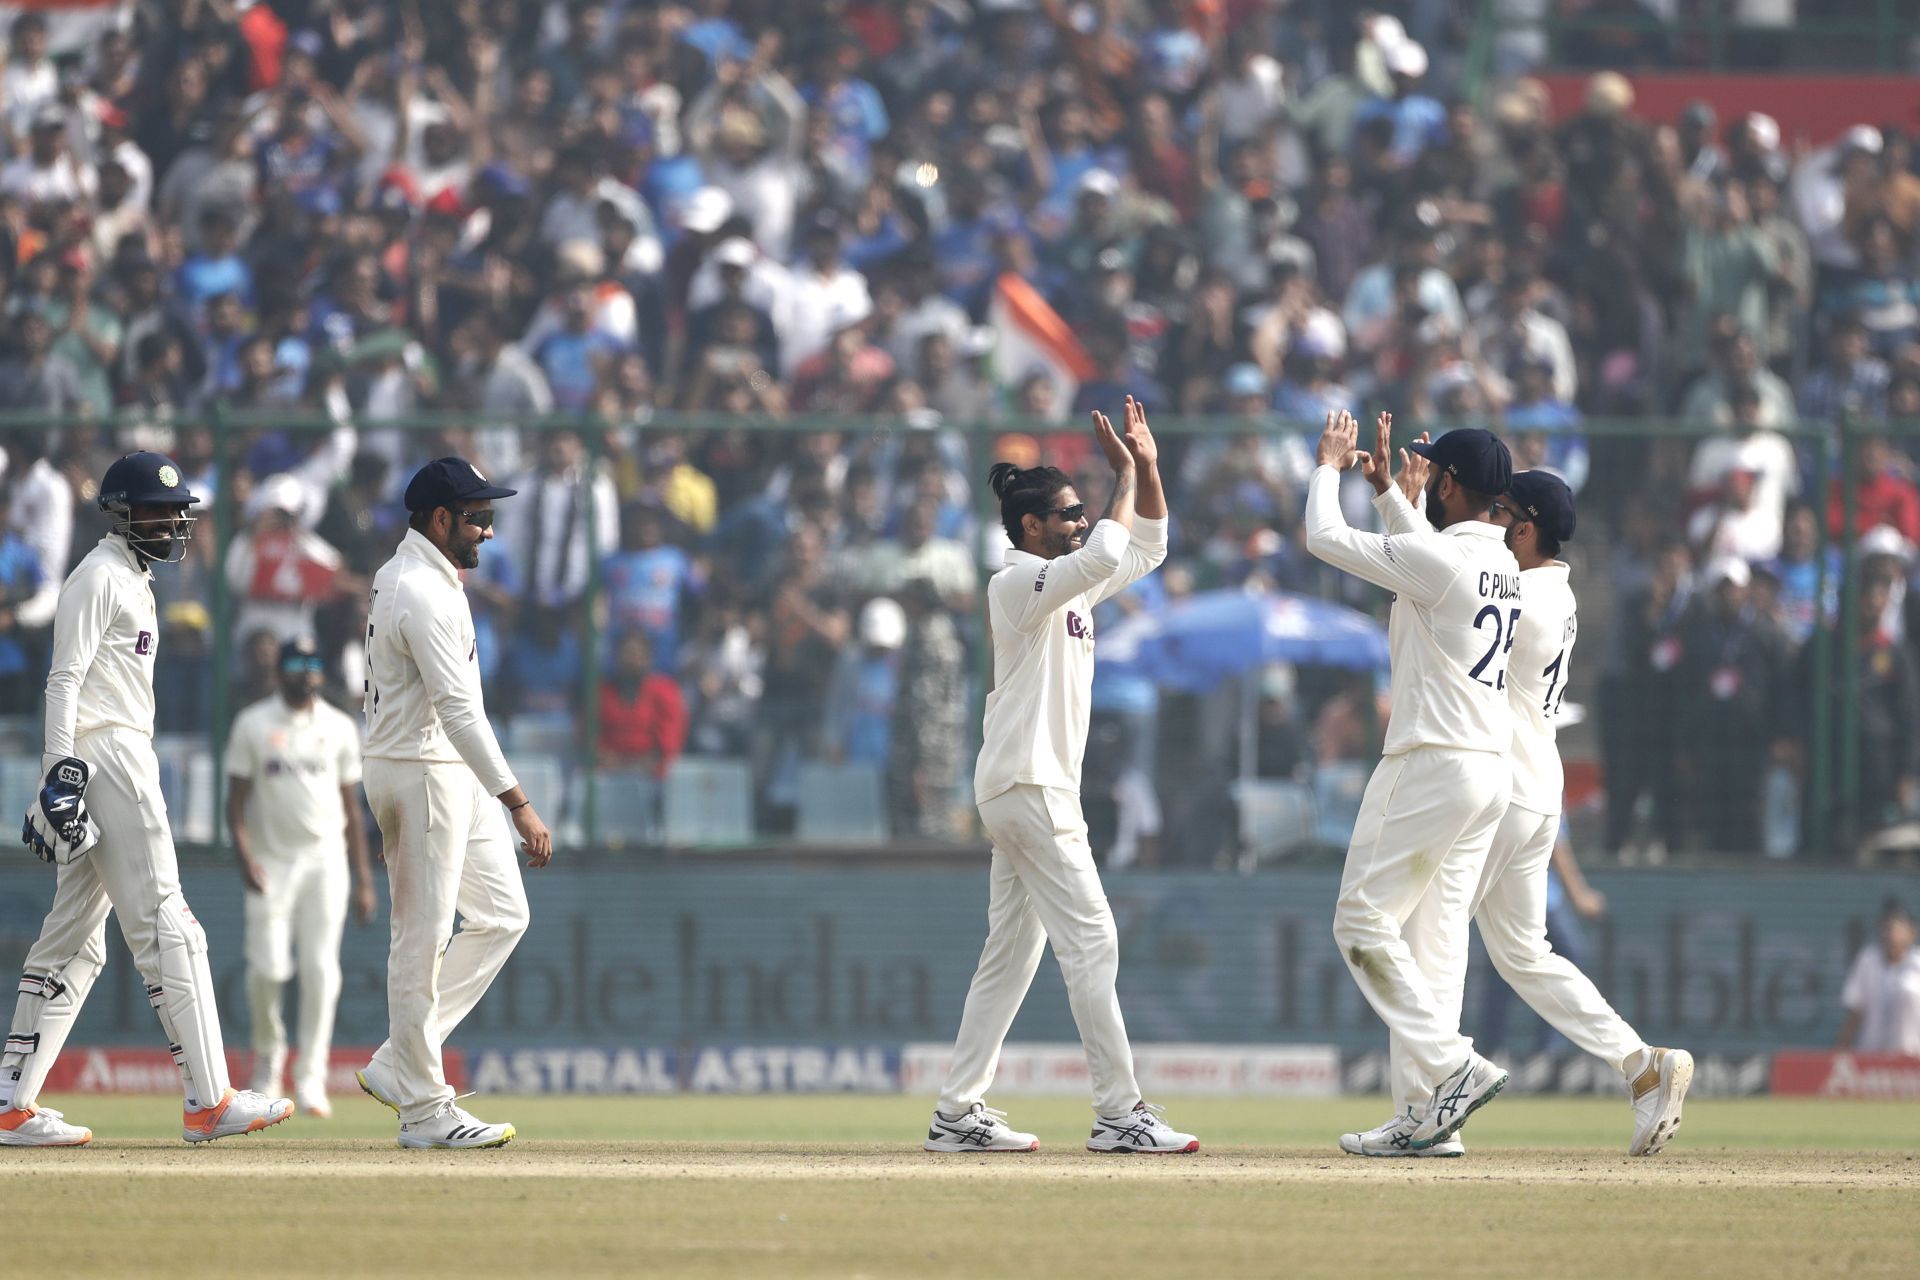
x=297 y=921
x=1511 y=909
x=1043 y=888
x=132 y=870
x=448 y=848
x=1425 y=825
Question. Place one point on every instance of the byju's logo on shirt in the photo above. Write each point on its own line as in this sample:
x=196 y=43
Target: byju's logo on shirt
x=144 y=645
x=1077 y=626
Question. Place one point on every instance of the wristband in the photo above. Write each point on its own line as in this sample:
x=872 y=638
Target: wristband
x=515 y=808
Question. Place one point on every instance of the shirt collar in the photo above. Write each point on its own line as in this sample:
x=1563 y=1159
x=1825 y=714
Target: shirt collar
x=1016 y=556
x=1475 y=529
x=415 y=544
x=124 y=550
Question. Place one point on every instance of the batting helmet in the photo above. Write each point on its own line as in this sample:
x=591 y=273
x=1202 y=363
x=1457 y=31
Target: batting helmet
x=149 y=479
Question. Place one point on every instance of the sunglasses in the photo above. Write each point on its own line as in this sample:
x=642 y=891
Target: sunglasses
x=478 y=519
x=1512 y=513
x=300 y=666
x=1069 y=514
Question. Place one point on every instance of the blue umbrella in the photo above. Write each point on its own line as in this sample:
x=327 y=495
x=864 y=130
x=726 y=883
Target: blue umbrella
x=1217 y=635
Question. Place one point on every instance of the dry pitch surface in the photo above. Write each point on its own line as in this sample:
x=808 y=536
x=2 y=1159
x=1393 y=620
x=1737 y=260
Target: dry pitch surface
x=835 y=1187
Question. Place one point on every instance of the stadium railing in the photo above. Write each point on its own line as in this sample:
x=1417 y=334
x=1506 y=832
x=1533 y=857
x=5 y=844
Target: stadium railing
x=720 y=802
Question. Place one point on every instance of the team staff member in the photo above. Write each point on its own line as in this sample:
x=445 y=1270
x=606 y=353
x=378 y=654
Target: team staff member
x=293 y=804
x=101 y=765
x=1429 y=812
x=433 y=772
x=1027 y=785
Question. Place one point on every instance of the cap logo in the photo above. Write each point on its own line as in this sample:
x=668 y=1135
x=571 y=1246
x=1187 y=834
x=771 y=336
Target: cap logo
x=1532 y=510
x=169 y=477
x=476 y=473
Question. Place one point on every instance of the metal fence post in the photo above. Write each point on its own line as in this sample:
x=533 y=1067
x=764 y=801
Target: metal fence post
x=1844 y=636
x=590 y=656
x=1817 y=828
x=220 y=650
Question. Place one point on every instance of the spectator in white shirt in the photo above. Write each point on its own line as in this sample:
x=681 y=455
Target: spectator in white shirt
x=1882 y=995
x=816 y=291
x=48 y=173
x=31 y=81
x=548 y=536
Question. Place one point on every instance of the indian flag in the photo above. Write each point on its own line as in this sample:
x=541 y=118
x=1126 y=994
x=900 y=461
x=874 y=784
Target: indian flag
x=1030 y=337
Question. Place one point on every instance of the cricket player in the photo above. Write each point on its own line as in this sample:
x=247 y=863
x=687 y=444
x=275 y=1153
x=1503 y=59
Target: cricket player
x=1510 y=904
x=1043 y=887
x=1429 y=812
x=293 y=805
x=101 y=820
x=433 y=773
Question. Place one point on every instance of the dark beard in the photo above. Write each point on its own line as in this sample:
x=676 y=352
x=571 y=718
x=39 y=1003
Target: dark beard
x=1435 y=515
x=469 y=556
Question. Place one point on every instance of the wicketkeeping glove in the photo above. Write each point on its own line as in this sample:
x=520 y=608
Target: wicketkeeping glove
x=58 y=827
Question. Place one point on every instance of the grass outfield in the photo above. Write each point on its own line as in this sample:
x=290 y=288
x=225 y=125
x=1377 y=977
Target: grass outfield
x=835 y=1186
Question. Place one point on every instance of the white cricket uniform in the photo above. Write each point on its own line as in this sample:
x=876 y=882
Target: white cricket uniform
x=1428 y=814
x=297 y=761
x=1510 y=904
x=99 y=708
x=1043 y=886
x=433 y=770
x=1887 y=998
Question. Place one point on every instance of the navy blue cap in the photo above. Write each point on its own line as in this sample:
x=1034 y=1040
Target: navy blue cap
x=1474 y=458
x=445 y=481
x=1546 y=500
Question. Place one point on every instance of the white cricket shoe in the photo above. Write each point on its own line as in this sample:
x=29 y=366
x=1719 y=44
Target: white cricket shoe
x=373 y=1082
x=1458 y=1096
x=1140 y=1130
x=1658 y=1083
x=241 y=1111
x=451 y=1128
x=313 y=1102
x=978 y=1128
x=40 y=1127
x=1395 y=1138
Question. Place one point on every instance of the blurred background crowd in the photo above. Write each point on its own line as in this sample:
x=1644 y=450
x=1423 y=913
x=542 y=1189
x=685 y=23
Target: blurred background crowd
x=844 y=216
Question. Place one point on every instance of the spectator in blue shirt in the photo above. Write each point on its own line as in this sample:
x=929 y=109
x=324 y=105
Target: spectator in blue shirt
x=1418 y=121
x=573 y=358
x=218 y=268
x=859 y=727
x=1536 y=410
x=20 y=672
x=647 y=582
x=856 y=118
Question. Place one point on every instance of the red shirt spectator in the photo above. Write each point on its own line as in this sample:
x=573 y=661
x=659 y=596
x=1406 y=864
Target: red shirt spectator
x=643 y=717
x=1885 y=496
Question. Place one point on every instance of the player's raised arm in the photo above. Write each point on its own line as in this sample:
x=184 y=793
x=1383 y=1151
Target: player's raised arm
x=1399 y=563
x=1148 y=548
x=1056 y=557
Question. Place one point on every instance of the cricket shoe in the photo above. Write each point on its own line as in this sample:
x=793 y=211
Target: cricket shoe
x=241 y=1111
x=313 y=1102
x=1659 y=1084
x=1395 y=1138
x=1140 y=1130
x=1461 y=1094
x=40 y=1127
x=978 y=1128
x=452 y=1129
x=373 y=1082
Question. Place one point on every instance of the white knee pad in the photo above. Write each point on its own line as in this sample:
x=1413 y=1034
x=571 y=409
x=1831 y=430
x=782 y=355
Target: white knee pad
x=183 y=997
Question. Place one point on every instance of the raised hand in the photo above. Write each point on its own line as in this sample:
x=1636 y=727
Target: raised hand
x=1119 y=457
x=1139 y=439
x=1415 y=470
x=1378 y=468
x=1336 y=448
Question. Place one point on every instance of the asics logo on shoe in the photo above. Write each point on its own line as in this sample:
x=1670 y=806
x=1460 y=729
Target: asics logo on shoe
x=979 y=1136
x=1451 y=1103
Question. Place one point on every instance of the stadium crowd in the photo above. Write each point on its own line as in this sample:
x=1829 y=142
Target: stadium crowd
x=604 y=211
